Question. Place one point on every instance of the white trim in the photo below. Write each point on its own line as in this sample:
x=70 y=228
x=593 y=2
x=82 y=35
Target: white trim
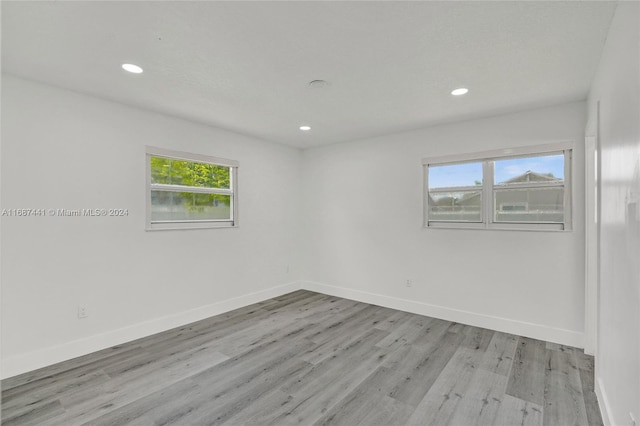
x=529 y=185
x=425 y=196
x=457 y=189
x=188 y=156
x=147 y=189
x=506 y=325
x=193 y=189
x=233 y=183
x=591 y=248
x=524 y=151
x=450 y=224
x=499 y=226
x=487 y=198
x=30 y=361
x=568 y=189
x=603 y=403
x=528 y=226
x=186 y=225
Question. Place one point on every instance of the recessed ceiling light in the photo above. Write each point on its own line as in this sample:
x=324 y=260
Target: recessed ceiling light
x=318 y=84
x=305 y=128
x=460 y=91
x=132 y=68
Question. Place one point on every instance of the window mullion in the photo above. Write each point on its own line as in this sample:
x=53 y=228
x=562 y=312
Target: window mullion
x=454 y=189
x=191 y=189
x=487 y=192
x=529 y=185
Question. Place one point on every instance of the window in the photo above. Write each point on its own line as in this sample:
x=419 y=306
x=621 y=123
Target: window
x=190 y=191
x=455 y=192
x=511 y=189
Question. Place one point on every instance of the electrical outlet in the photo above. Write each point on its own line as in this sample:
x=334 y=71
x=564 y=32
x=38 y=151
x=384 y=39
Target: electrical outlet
x=409 y=283
x=82 y=311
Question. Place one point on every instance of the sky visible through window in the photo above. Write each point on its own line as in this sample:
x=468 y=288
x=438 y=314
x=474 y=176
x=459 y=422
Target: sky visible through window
x=470 y=174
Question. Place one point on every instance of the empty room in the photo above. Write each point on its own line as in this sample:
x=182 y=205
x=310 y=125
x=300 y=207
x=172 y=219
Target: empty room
x=327 y=212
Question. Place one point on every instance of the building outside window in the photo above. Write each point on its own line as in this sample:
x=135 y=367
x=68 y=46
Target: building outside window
x=527 y=189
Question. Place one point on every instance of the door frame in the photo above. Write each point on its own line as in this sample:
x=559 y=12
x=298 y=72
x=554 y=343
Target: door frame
x=592 y=236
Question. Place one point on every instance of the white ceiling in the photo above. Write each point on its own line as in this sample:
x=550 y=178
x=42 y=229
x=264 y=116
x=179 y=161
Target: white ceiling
x=245 y=66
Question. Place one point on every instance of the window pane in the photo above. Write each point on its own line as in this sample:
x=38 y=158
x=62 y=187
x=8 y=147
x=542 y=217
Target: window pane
x=167 y=205
x=454 y=175
x=547 y=168
x=529 y=205
x=459 y=206
x=188 y=173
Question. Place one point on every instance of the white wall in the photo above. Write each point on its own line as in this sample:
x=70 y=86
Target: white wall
x=617 y=89
x=65 y=150
x=362 y=211
x=358 y=231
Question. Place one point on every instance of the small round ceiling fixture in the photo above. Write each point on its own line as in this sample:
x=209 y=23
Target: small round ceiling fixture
x=460 y=91
x=305 y=128
x=318 y=84
x=132 y=68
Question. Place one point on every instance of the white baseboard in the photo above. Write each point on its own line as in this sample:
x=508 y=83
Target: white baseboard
x=44 y=357
x=521 y=328
x=603 y=403
x=23 y=363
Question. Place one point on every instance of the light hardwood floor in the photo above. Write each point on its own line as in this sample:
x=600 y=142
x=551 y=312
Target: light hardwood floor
x=308 y=358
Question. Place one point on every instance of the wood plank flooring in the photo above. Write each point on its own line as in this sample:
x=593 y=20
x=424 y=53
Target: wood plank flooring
x=312 y=359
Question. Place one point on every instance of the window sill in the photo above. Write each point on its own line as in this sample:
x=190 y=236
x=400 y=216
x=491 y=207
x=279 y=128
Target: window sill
x=178 y=226
x=546 y=227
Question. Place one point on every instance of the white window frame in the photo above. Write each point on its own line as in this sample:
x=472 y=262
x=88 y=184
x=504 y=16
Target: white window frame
x=197 y=158
x=487 y=197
